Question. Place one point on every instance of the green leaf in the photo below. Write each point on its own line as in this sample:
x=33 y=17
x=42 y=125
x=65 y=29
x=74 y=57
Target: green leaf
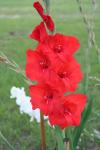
x=79 y=130
x=59 y=137
x=69 y=135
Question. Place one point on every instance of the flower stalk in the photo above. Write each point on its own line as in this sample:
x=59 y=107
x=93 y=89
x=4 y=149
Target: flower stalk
x=47 y=5
x=43 y=138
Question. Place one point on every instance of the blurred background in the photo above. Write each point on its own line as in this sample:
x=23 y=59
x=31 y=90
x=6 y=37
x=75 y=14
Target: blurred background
x=17 y=20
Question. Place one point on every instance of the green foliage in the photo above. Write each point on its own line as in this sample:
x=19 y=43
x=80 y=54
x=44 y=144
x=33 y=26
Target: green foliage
x=59 y=138
x=69 y=135
x=78 y=130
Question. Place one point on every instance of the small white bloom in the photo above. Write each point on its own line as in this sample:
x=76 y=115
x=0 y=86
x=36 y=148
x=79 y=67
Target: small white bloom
x=24 y=103
x=17 y=93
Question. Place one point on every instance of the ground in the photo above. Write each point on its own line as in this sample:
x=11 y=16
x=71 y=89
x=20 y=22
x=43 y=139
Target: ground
x=17 y=19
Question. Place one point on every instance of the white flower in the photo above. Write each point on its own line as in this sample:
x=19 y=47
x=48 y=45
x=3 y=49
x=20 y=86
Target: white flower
x=17 y=93
x=24 y=103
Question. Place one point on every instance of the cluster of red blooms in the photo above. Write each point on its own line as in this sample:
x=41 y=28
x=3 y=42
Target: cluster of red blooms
x=55 y=69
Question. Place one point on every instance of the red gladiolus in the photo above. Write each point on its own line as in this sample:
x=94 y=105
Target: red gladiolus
x=46 y=18
x=70 y=112
x=45 y=98
x=53 y=66
x=62 y=110
x=61 y=46
x=38 y=65
x=70 y=74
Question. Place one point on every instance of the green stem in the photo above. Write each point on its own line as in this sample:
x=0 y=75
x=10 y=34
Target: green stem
x=47 y=5
x=79 y=130
x=6 y=141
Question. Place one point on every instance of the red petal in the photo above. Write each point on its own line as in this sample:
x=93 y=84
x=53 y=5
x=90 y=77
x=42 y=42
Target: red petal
x=36 y=94
x=75 y=103
x=72 y=44
x=39 y=33
x=31 y=64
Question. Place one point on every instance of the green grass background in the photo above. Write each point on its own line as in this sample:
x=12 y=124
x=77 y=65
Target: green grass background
x=17 y=19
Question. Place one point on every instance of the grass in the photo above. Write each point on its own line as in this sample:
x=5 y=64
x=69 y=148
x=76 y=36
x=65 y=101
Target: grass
x=17 y=19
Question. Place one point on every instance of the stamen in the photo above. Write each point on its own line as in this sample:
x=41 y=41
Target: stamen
x=49 y=96
x=44 y=64
x=62 y=74
x=58 y=48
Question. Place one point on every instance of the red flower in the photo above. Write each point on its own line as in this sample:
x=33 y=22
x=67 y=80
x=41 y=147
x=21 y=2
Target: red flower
x=62 y=110
x=39 y=33
x=70 y=112
x=37 y=66
x=46 y=18
x=59 y=46
x=45 y=98
x=69 y=73
x=63 y=46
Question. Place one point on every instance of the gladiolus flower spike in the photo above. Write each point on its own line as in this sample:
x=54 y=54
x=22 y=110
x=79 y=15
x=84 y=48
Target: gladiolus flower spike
x=53 y=66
